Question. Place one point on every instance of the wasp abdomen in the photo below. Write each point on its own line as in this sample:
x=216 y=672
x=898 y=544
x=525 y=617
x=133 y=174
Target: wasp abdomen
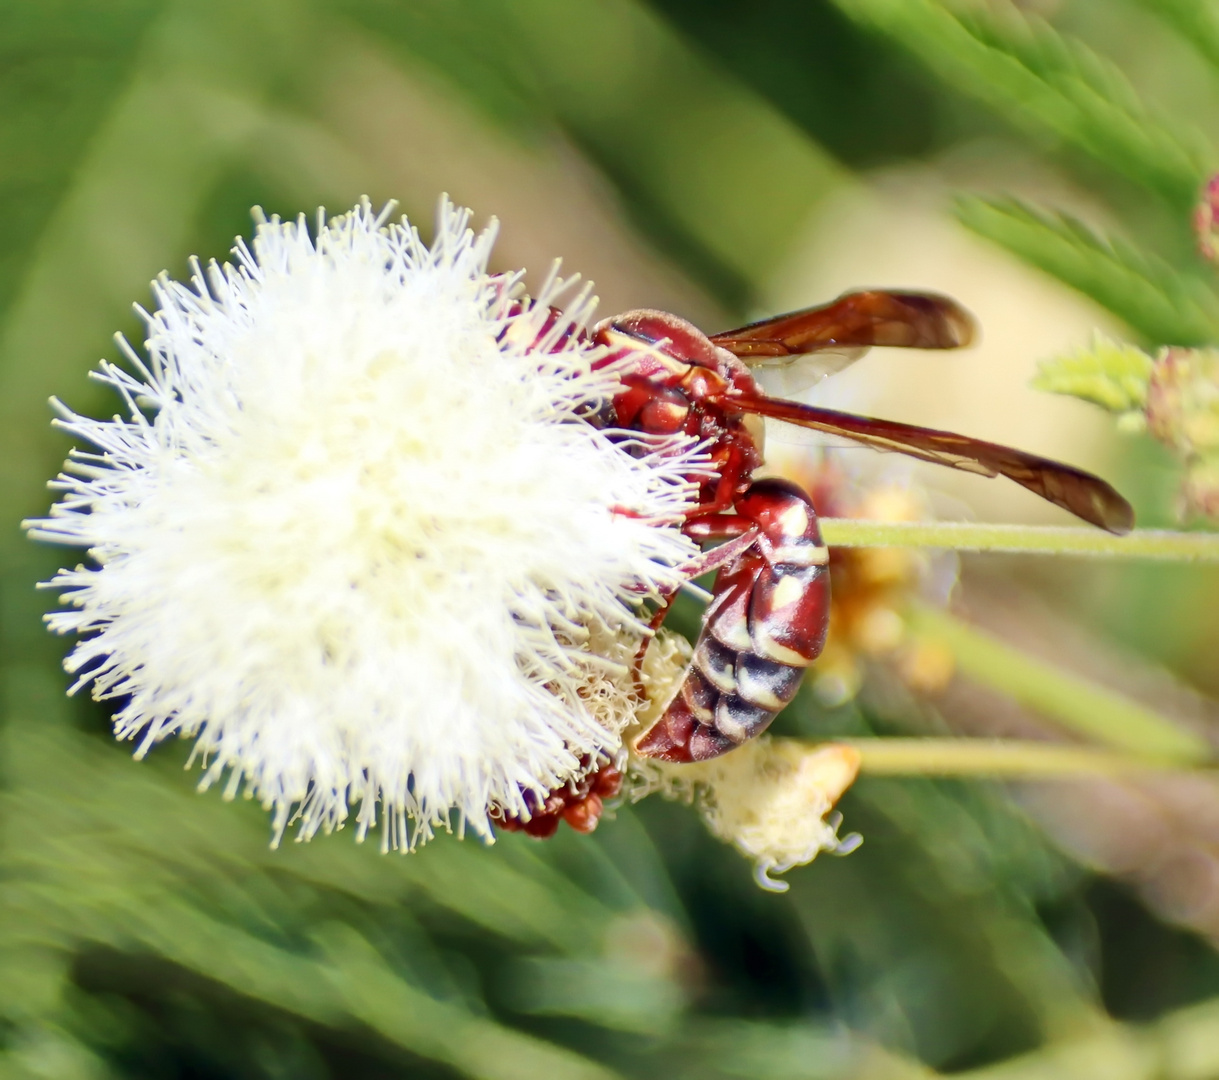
x=765 y=624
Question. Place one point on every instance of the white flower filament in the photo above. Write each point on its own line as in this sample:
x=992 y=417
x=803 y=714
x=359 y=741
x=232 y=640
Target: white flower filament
x=354 y=532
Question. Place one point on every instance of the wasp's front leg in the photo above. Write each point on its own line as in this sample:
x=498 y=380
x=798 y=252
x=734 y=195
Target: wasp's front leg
x=739 y=533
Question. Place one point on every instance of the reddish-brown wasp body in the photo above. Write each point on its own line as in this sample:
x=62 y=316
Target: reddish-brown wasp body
x=767 y=619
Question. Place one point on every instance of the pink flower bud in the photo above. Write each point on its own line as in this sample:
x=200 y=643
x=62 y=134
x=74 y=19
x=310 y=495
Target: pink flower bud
x=1183 y=413
x=1206 y=220
x=1183 y=400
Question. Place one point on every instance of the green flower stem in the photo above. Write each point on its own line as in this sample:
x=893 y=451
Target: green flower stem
x=988 y=757
x=1074 y=702
x=1025 y=539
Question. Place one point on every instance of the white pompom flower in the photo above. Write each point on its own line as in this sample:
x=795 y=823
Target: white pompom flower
x=359 y=534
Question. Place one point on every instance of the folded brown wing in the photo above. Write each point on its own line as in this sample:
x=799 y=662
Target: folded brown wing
x=910 y=320
x=1084 y=495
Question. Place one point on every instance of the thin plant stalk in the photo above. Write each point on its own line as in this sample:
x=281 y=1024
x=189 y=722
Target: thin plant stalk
x=1000 y=758
x=1076 y=703
x=1022 y=539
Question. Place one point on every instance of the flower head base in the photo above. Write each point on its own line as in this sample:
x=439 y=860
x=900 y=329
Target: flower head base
x=359 y=535
x=772 y=800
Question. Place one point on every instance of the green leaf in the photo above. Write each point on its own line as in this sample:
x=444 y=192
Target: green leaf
x=148 y=865
x=1051 y=85
x=1157 y=301
x=1107 y=373
x=1078 y=704
x=1197 y=21
x=61 y=66
x=710 y=171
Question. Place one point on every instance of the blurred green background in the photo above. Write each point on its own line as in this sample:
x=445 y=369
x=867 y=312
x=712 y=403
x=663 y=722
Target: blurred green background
x=722 y=160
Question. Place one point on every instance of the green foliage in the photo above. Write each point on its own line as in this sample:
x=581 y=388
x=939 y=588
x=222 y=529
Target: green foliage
x=1052 y=85
x=638 y=103
x=1198 y=23
x=64 y=63
x=1107 y=373
x=148 y=931
x=1158 y=302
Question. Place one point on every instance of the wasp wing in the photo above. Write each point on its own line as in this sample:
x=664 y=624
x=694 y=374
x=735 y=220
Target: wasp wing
x=790 y=376
x=910 y=320
x=1084 y=495
x=790 y=353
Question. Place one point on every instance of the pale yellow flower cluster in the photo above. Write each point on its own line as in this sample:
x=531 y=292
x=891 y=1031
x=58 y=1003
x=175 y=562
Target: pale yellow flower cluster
x=770 y=798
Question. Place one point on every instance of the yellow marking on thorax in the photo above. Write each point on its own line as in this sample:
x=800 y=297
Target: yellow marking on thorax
x=756 y=427
x=794 y=519
x=623 y=340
